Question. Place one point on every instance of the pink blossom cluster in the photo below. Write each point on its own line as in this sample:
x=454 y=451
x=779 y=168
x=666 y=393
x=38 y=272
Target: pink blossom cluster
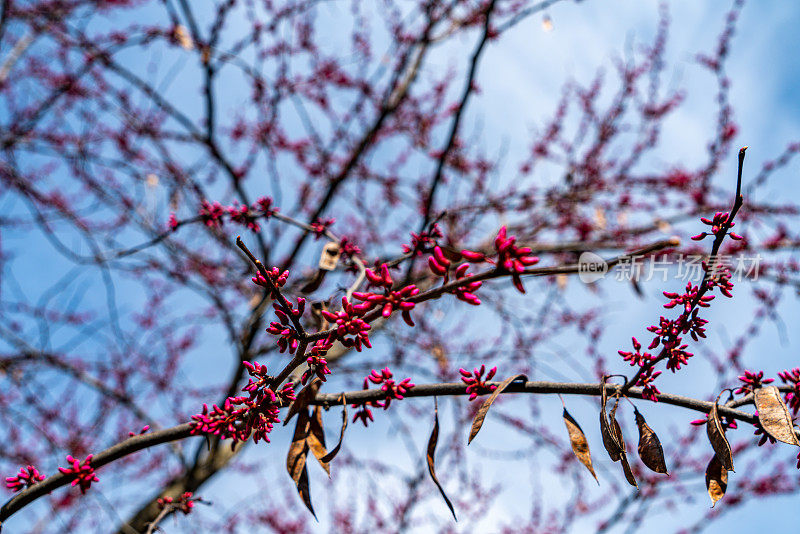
x=687 y=298
x=759 y=431
x=320 y=226
x=389 y=301
x=423 y=242
x=27 y=477
x=750 y=381
x=668 y=333
x=438 y=263
x=646 y=379
x=284 y=327
x=83 y=473
x=317 y=364
x=636 y=358
x=213 y=214
x=391 y=389
x=476 y=383
x=144 y=429
x=792 y=397
x=278 y=278
x=348 y=322
x=239 y=418
x=348 y=248
x=719 y=225
x=510 y=258
x=184 y=503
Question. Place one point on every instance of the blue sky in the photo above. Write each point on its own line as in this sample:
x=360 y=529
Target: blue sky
x=521 y=80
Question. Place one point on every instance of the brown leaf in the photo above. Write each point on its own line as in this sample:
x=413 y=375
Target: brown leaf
x=716 y=480
x=580 y=447
x=616 y=431
x=613 y=447
x=650 y=450
x=773 y=415
x=432 y=441
x=716 y=435
x=484 y=409
x=626 y=468
x=302 y=399
x=333 y=452
x=296 y=459
x=316 y=439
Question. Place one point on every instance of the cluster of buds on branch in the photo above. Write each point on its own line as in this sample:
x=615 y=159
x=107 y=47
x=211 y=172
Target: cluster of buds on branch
x=390 y=301
x=82 y=473
x=213 y=214
x=184 y=503
x=27 y=477
x=476 y=382
x=392 y=391
x=239 y=418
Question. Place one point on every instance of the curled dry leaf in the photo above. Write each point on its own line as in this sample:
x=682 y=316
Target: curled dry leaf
x=613 y=447
x=303 y=399
x=716 y=480
x=650 y=450
x=333 y=452
x=773 y=415
x=316 y=439
x=579 y=444
x=432 y=441
x=484 y=409
x=716 y=435
x=617 y=433
x=296 y=459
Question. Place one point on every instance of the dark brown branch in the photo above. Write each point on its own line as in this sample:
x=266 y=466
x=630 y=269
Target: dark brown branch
x=140 y=442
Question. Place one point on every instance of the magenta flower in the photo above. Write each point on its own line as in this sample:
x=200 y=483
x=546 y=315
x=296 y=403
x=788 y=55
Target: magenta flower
x=264 y=205
x=649 y=390
x=317 y=364
x=173 y=222
x=212 y=214
x=718 y=224
x=423 y=242
x=466 y=292
x=242 y=215
x=184 y=503
x=476 y=384
x=363 y=413
x=688 y=298
x=390 y=300
x=240 y=418
x=144 y=429
x=83 y=473
x=438 y=263
x=284 y=327
x=320 y=226
x=792 y=397
x=27 y=477
x=636 y=358
x=348 y=248
x=391 y=389
x=752 y=380
x=349 y=323
x=760 y=432
x=513 y=259
x=727 y=423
